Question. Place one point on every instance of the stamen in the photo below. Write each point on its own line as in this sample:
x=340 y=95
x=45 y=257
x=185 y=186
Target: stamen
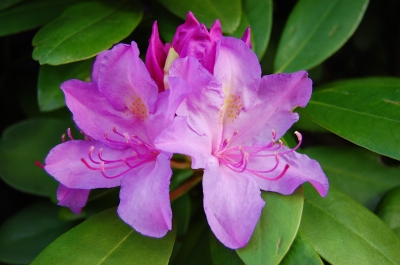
x=37 y=163
x=63 y=138
x=275 y=178
x=299 y=138
x=70 y=134
x=273 y=134
x=90 y=153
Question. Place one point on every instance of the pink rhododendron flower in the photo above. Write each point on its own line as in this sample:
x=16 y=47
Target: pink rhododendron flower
x=230 y=124
x=121 y=113
x=191 y=39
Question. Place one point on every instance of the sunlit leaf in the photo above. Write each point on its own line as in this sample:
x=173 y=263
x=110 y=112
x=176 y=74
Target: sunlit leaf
x=50 y=96
x=344 y=232
x=207 y=11
x=276 y=229
x=106 y=239
x=21 y=146
x=315 y=30
x=389 y=210
x=84 y=30
x=27 y=233
x=356 y=172
x=301 y=252
x=30 y=14
x=363 y=111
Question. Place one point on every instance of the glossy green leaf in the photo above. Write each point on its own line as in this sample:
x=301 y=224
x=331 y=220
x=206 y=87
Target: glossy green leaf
x=24 y=143
x=31 y=14
x=305 y=124
x=179 y=176
x=276 y=229
x=344 y=232
x=84 y=30
x=4 y=4
x=50 y=96
x=222 y=255
x=227 y=11
x=389 y=210
x=106 y=239
x=356 y=172
x=259 y=15
x=27 y=233
x=315 y=30
x=301 y=252
x=363 y=111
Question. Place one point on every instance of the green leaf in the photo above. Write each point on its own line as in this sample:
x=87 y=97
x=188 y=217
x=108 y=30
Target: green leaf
x=344 y=232
x=356 y=172
x=364 y=111
x=106 y=239
x=389 y=210
x=315 y=30
x=181 y=211
x=24 y=143
x=31 y=14
x=222 y=255
x=4 y=4
x=301 y=252
x=50 y=96
x=27 y=233
x=259 y=15
x=84 y=30
x=276 y=229
x=207 y=11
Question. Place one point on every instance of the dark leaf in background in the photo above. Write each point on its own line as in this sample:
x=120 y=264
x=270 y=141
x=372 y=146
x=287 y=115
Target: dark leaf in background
x=276 y=229
x=84 y=30
x=364 y=111
x=106 y=239
x=50 y=96
x=356 y=172
x=301 y=252
x=344 y=232
x=315 y=30
x=222 y=255
x=259 y=16
x=4 y=4
x=23 y=144
x=389 y=210
x=31 y=14
x=228 y=12
x=27 y=233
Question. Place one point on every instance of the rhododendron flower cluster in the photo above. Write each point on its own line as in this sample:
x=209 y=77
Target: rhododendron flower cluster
x=202 y=96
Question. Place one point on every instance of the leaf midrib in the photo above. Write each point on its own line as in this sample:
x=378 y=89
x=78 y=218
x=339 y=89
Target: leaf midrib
x=348 y=228
x=350 y=110
x=114 y=248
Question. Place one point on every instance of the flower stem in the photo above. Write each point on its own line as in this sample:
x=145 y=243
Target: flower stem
x=185 y=187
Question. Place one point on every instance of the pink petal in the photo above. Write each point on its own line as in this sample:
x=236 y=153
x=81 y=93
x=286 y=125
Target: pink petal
x=278 y=95
x=155 y=58
x=232 y=203
x=75 y=199
x=126 y=83
x=193 y=39
x=247 y=37
x=184 y=31
x=144 y=198
x=93 y=113
x=238 y=70
x=179 y=138
x=97 y=64
x=301 y=169
x=203 y=104
x=216 y=31
x=65 y=165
